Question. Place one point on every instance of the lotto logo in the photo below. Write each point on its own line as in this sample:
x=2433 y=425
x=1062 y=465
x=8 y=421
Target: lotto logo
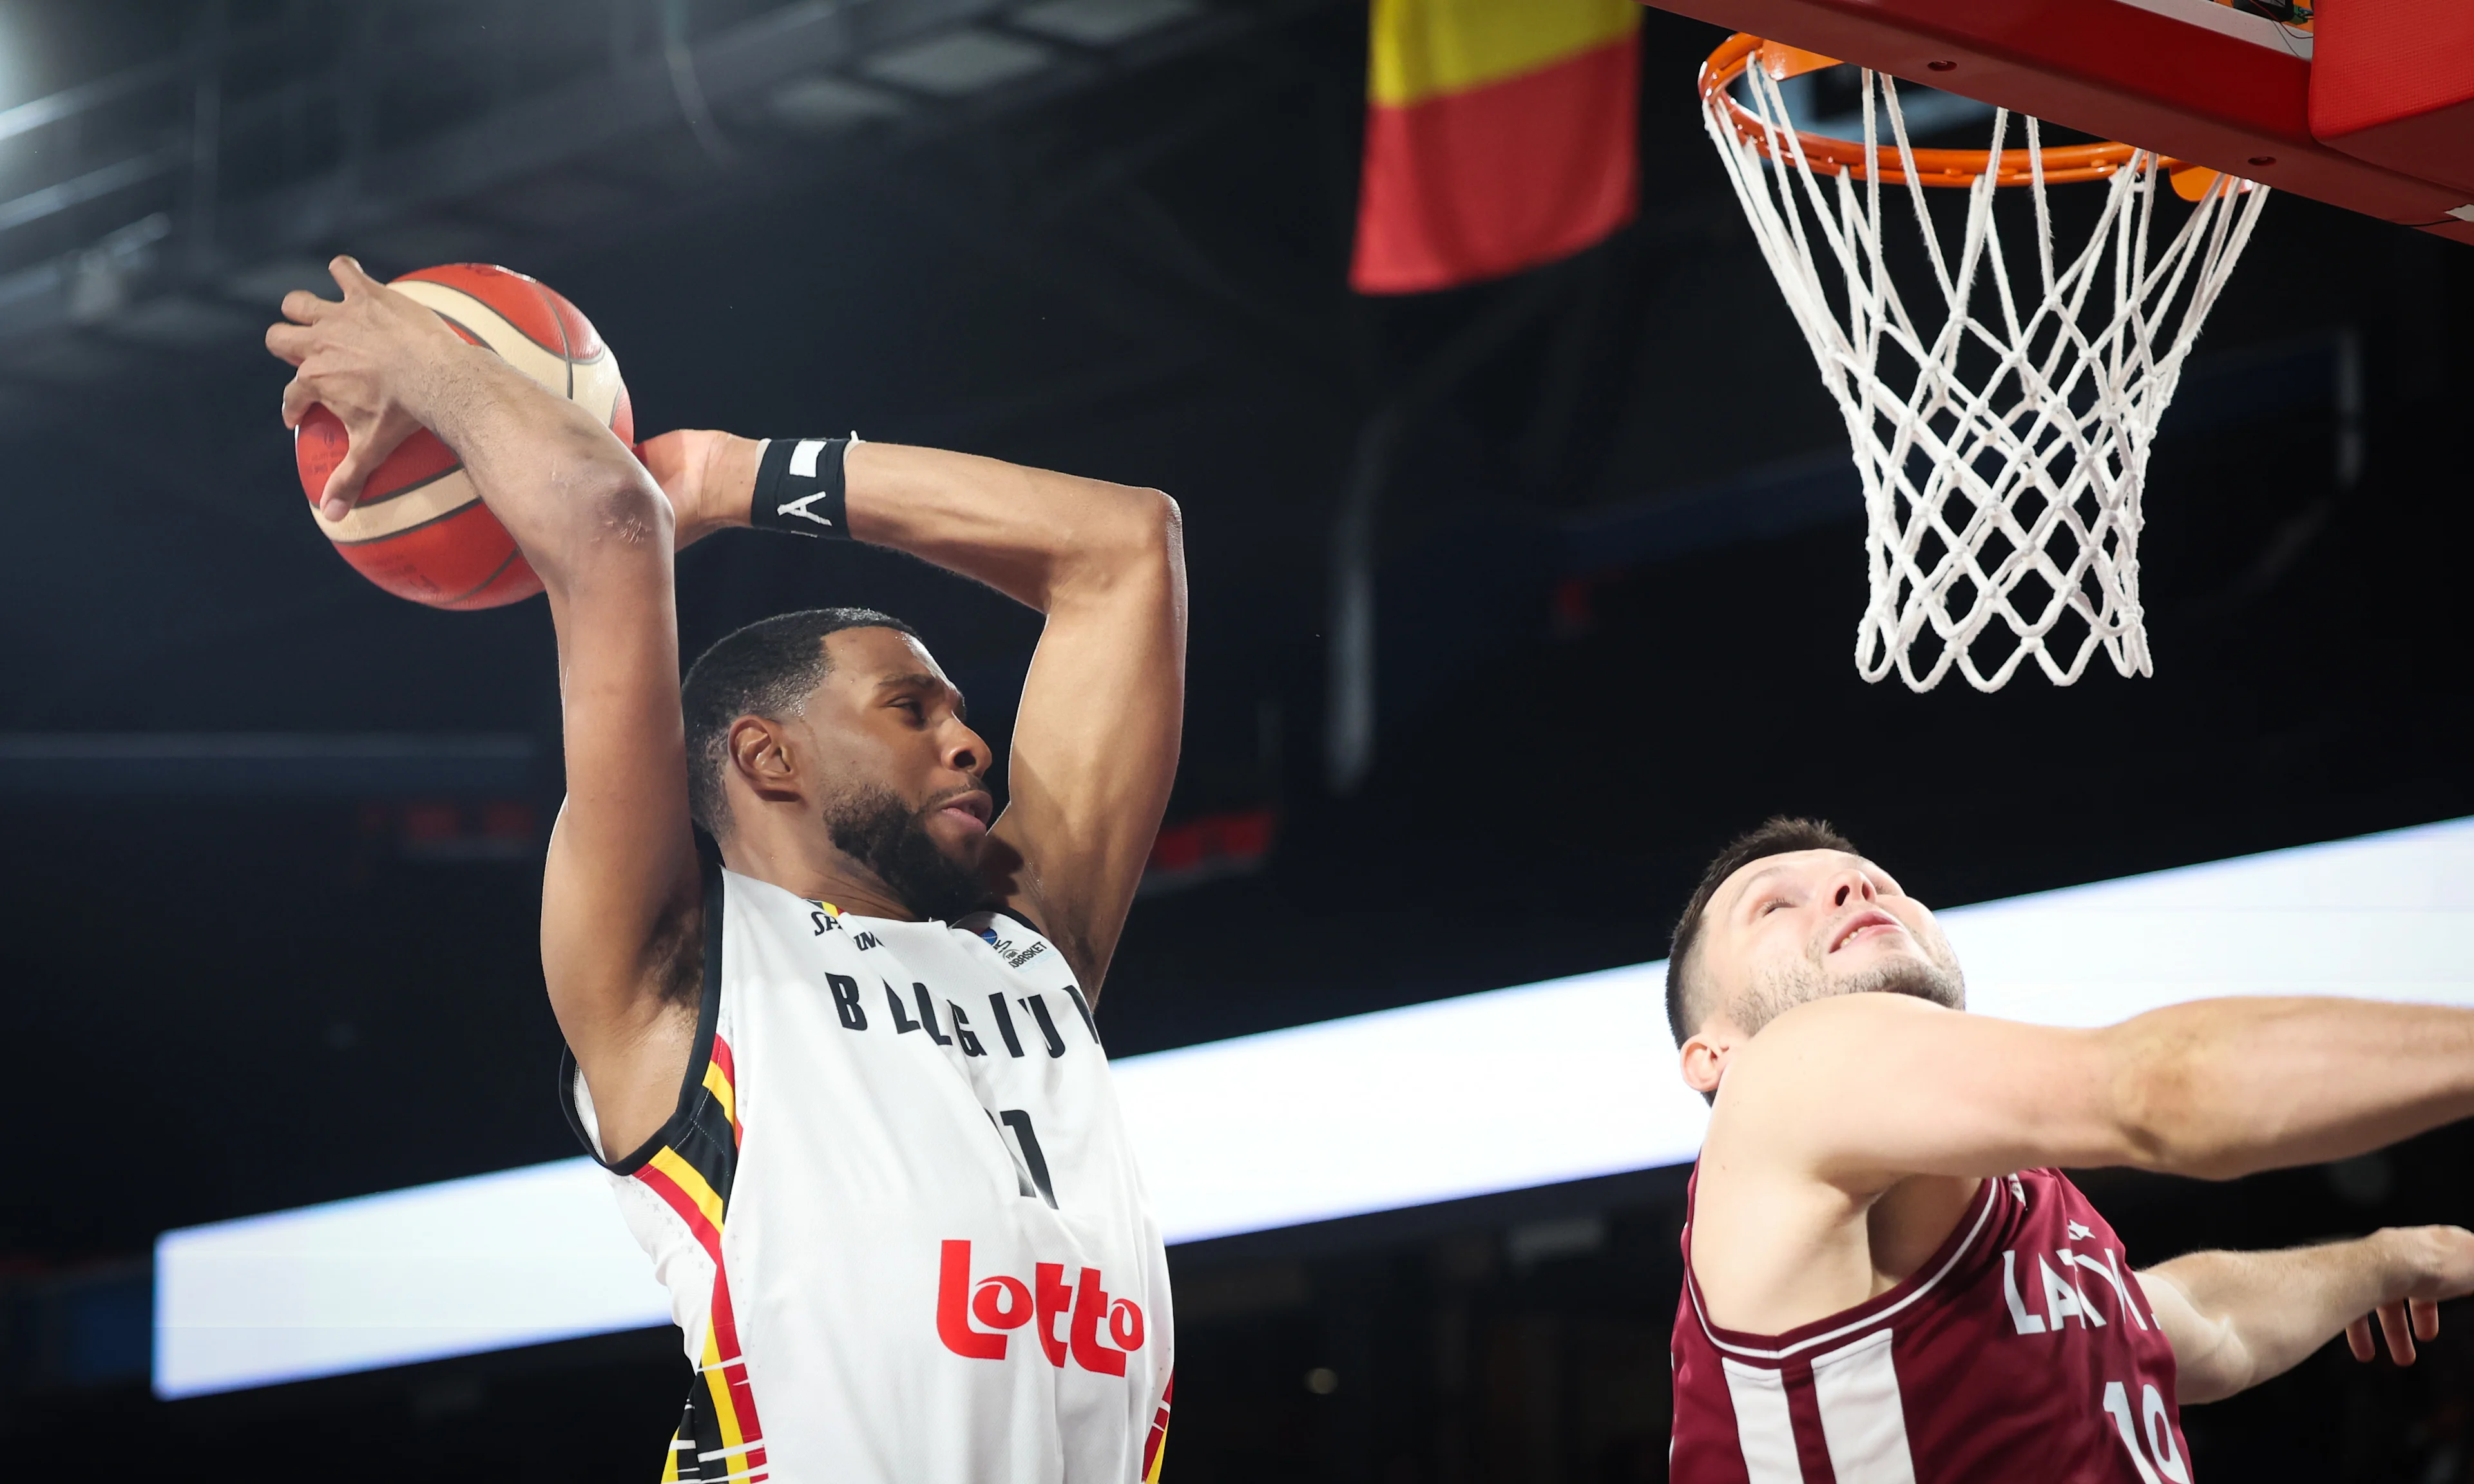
x=1002 y=1303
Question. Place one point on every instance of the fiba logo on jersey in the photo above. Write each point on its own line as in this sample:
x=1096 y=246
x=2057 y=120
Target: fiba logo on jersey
x=1006 y=951
x=1002 y=1303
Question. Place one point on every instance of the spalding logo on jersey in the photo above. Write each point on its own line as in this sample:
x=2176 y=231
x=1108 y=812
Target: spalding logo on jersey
x=1004 y=1303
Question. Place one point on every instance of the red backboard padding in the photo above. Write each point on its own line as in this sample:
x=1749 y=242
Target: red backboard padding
x=2119 y=71
x=2392 y=83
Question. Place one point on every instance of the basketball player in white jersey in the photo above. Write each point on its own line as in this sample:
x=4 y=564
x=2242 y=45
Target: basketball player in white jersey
x=850 y=1085
x=1887 y=1273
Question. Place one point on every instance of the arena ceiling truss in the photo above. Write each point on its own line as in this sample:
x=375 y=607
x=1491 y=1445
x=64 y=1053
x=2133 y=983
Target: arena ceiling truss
x=154 y=216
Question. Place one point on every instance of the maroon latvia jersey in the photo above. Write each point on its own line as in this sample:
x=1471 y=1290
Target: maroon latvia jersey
x=2021 y=1350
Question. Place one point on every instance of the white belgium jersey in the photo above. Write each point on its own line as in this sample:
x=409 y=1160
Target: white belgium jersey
x=897 y=1212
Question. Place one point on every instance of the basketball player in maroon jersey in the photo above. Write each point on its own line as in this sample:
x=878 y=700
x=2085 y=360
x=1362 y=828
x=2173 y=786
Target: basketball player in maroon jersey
x=1887 y=1278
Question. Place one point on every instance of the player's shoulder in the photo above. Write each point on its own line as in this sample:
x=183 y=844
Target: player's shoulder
x=1820 y=1055
x=738 y=903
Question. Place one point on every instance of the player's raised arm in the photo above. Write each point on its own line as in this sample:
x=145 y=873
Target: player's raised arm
x=1869 y=1087
x=618 y=899
x=1864 y=1088
x=1095 y=742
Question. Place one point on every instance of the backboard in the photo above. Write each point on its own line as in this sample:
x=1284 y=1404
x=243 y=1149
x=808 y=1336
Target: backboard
x=2367 y=105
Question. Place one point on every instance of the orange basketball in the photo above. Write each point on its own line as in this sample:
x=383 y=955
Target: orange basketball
x=420 y=531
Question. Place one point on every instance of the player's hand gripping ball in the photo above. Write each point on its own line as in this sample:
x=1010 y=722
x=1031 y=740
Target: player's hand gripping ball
x=420 y=529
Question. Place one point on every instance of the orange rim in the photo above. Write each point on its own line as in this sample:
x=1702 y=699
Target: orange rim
x=1829 y=155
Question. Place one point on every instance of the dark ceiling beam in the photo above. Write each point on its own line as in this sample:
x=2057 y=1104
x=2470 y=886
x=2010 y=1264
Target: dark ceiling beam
x=737 y=72
x=163 y=308
x=94 y=185
x=70 y=102
x=541 y=133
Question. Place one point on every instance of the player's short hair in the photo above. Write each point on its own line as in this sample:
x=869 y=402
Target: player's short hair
x=1688 y=1004
x=767 y=669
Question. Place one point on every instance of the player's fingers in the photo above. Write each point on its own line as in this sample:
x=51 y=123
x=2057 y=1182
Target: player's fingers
x=2426 y=1319
x=370 y=446
x=2392 y=1325
x=303 y=307
x=2358 y=1339
x=349 y=275
x=343 y=490
x=289 y=342
x=344 y=486
x=297 y=399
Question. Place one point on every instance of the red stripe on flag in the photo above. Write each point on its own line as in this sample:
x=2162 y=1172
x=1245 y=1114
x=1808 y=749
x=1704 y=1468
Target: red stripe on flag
x=1485 y=182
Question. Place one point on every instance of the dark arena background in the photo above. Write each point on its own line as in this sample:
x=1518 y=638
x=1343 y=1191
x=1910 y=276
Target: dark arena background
x=273 y=838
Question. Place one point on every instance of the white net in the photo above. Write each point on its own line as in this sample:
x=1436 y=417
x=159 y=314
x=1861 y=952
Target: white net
x=2002 y=437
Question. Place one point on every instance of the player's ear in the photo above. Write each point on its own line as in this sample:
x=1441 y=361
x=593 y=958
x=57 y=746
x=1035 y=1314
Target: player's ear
x=760 y=754
x=1705 y=1058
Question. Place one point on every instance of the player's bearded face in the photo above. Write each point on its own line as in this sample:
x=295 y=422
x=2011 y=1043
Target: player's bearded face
x=906 y=801
x=873 y=824
x=1783 y=984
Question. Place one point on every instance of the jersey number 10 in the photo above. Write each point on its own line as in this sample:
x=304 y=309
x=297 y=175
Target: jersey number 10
x=2162 y=1459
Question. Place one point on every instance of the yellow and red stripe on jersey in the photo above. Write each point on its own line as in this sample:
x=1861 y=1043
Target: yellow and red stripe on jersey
x=1499 y=135
x=721 y=1080
x=1156 y=1447
x=719 y=1437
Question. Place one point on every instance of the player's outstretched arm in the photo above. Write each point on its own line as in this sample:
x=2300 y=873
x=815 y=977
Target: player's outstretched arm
x=2239 y=1318
x=618 y=897
x=1094 y=743
x=1868 y=1089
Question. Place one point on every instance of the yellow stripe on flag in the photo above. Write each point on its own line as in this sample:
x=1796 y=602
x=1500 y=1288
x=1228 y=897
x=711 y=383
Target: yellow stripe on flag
x=697 y=1188
x=1427 y=48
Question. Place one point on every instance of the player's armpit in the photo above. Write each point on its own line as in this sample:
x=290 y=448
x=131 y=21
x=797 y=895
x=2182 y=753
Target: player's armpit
x=1865 y=1089
x=1094 y=743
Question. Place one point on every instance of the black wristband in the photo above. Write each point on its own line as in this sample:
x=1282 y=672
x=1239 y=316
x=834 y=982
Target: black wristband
x=799 y=487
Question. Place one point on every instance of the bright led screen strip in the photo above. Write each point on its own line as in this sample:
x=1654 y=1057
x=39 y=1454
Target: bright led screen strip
x=1487 y=1092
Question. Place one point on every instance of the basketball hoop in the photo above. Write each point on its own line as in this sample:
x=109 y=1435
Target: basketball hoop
x=2001 y=497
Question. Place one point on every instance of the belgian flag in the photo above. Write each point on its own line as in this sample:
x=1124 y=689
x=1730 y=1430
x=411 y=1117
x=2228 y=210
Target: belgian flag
x=1499 y=134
